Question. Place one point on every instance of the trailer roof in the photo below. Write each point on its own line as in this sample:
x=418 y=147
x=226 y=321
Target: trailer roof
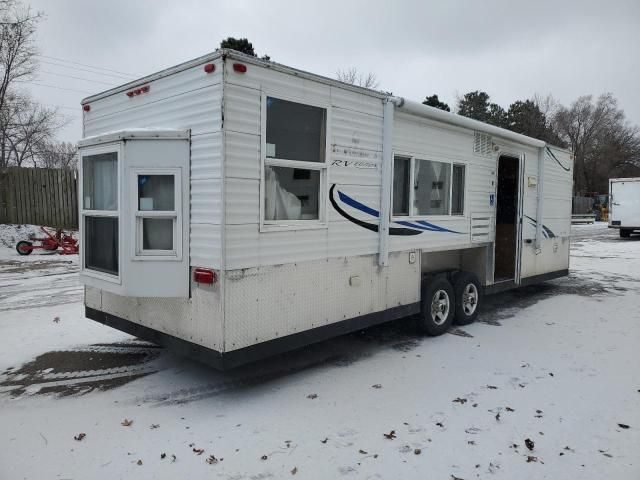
x=424 y=110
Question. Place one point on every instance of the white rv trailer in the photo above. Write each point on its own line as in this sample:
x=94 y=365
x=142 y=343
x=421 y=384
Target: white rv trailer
x=624 y=205
x=232 y=208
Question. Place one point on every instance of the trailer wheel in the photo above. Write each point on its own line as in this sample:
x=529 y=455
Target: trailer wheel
x=24 y=248
x=468 y=294
x=438 y=305
x=625 y=233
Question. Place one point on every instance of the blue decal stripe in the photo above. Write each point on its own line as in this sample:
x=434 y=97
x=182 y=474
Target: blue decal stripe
x=420 y=224
x=356 y=204
x=436 y=227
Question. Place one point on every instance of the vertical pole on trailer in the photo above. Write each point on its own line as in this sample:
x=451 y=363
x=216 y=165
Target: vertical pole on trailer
x=541 y=161
x=385 y=185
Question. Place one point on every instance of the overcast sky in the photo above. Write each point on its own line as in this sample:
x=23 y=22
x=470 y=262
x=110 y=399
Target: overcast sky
x=511 y=49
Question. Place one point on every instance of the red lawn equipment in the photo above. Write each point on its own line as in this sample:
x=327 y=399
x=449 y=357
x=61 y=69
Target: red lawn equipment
x=59 y=241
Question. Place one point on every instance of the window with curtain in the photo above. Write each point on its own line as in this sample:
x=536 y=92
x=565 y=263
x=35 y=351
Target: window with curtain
x=294 y=161
x=100 y=212
x=431 y=186
x=157 y=213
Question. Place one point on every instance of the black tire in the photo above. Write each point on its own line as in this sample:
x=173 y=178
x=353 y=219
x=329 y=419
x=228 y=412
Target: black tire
x=624 y=233
x=468 y=293
x=431 y=322
x=24 y=251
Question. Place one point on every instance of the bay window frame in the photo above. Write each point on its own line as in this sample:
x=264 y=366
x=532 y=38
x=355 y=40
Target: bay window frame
x=137 y=241
x=87 y=212
x=322 y=222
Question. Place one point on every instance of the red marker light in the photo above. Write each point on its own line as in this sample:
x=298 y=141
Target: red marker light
x=209 y=68
x=86 y=108
x=203 y=275
x=239 y=67
x=146 y=88
x=129 y=94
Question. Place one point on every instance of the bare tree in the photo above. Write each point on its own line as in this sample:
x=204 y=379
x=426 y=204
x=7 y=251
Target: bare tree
x=52 y=154
x=353 y=77
x=601 y=140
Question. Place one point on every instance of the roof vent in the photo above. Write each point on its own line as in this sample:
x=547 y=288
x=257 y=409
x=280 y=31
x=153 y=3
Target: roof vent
x=482 y=144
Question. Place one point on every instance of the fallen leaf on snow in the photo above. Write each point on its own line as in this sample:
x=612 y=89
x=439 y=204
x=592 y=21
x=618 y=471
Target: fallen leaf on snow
x=531 y=459
x=529 y=443
x=471 y=442
x=550 y=374
x=492 y=387
x=453 y=477
x=198 y=451
x=417 y=451
x=139 y=462
x=325 y=440
x=80 y=436
x=622 y=425
x=163 y=456
x=509 y=409
x=391 y=435
x=377 y=385
x=154 y=425
x=440 y=424
x=538 y=411
x=211 y=460
x=56 y=319
x=263 y=457
x=474 y=405
x=498 y=416
x=294 y=471
x=312 y=396
x=462 y=401
x=126 y=422
x=362 y=452
x=173 y=458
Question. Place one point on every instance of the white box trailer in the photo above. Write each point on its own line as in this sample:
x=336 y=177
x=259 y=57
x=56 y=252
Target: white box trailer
x=232 y=208
x=624 y=205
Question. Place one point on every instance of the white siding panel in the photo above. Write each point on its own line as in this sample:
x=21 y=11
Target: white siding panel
x=242 y=202
x=198 y=110
x=357 y=130
x=206 y=201
x=353 y=166
x=279 y=83
x=247 y=247
x=242 y=155
x=206 y=245
x=206 y=156
x=170 y=86
x=357 y=102
x=241 y=109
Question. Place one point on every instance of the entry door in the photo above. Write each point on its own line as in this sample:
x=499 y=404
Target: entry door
x=508 y=220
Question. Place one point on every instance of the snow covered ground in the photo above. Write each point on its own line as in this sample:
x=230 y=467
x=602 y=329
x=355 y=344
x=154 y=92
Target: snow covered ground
x=556 y=363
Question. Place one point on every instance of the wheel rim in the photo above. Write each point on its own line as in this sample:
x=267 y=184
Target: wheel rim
x=24 y=248
x=470 y=299
x=440 y=306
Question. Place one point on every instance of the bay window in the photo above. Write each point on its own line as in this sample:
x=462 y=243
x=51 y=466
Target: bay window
x=295 y=163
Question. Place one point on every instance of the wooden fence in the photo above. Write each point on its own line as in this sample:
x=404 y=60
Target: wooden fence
x=40 y=196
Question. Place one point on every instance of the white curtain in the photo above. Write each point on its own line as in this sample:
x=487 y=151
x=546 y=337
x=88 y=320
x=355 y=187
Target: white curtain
x=279 y=204
x=101 y=182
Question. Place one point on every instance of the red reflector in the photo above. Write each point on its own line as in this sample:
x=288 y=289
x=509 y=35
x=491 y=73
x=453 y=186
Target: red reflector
x=209 y=68
x=86 y=108
x=129 y=94
x=239 y=67
x=146 y=88
x=202 y=275
x=137 y=91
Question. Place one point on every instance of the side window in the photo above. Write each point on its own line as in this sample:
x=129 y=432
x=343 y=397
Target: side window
x=157 y=197
x=100 y=212
x=401 y=180
x=431 y=186
x=294 y=162
x=457 y=190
